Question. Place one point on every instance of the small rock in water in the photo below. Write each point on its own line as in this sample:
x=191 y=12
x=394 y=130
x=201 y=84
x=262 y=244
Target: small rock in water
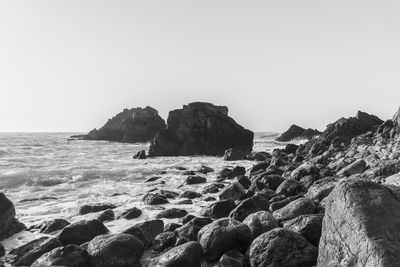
x=152 y=179
x=53 y=225
x=107 y=215
x=154 y=199
x=89 y=208
x=195 y=180
x=172 y=213
x=184 y=202
x=233 y=155
x=205 y=169
x=140 y=155
x=190 y=195
x=131 y=213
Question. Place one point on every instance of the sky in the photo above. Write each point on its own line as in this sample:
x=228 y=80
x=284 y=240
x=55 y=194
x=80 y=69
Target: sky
x=68 y=66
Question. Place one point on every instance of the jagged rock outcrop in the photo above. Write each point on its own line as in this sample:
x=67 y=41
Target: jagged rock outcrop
x=361 y=226
x=341 y=132
x=9 y=225
x=297 y=132
x=130 y=126
x=201 y=129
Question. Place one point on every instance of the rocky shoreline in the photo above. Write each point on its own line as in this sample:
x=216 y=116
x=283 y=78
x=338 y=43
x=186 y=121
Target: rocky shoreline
x=332 y=201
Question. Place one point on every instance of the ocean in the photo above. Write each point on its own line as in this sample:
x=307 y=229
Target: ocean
x=47 y=176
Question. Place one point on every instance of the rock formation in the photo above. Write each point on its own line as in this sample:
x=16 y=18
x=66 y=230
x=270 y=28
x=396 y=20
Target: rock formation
x=297 y=132
x=130 y=126
x=201 y=129
x=9 y=225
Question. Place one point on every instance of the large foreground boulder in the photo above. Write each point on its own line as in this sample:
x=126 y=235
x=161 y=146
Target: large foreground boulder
x=201 y=129
x=9 y=225
x=361 y=226
x=69 y=256
x=297 y=132
x=131 y=126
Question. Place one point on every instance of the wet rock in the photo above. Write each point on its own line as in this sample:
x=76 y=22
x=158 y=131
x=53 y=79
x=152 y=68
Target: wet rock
x=195 y=180
x=152 y=179
x=140 y=155
x=305 y=169
x=249 y=206
x=2 y=250
x=205 y=169
x=282 y=247
x=85 y=209
x=171 y=227
x=281 y=201
x=184 y=202
x=68 y=256
x=28 y=258
x=190 y=195
x=321 y=189
x=53 y=225
x=233 y=155
x=289 y=187
x=291 y=148
x=261 y=156
x=218 y=209
x=261 y=222
x=234 y=191
x=131 y=213
x=232 y=258
x=105 y=216
x=297 y=132
x=9 y=225
x=137 y=125
x=188 y=254
x=154 y=199
x=190 y=229
x=117 y=250
x=272 y=181
x=189 y=173
x=81 y=232
x=294 y=209
x=228 y=173
x=244 y=181
x=359 y=166
x=262 y=166
x=308 y=226
x=209 y=199
x=200 y=129
x=146 y=231
x=172 y=213
x=168 y=193
x=20 y=251
x=164 y=240
x=223 y=235
x=364 y=218
x=210 y=189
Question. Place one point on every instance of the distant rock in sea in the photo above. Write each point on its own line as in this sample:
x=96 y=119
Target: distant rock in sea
x=131 y=126
x=297 y=132
x=201 y=129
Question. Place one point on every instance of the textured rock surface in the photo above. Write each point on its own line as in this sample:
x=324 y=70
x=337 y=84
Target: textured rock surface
x=188 y=254
x=201 y=129
x=9 y=225
x=131 y=126
x=81 y=232
x=361 y=226
x=297 y=132
x=69 y=256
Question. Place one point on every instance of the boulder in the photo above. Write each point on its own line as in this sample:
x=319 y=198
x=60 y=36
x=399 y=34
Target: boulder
x=321 y=189
x=89 y=208
x=261 y=222
x=105 y=216
x=249 y=206
x=282 y=247
x=140 y=155
x=195 y=179
x=308 y=226
x=188 y=254
x=170 y=227
x=200 y=129
x=9 y=225
x=218 y=209
x=131 y=213
x=205 y=169
x=228 y=173
x=234 y=191
x=233 y=155
x=172 y=213
x=289 y=187
x=68 y=256
x=116 y=250
x=130 y=126
x=357 y=167
x=17 y=253
x=294 y=209
x=189 y=231
x=190 y=194
x=223 y=235
x=154 y=199
x=297 y=132
x=53 y=225
x=361 y=226
x=232 y=258
x=47 y=246
x=81 y=232
x=146 y=231
x=164 y=240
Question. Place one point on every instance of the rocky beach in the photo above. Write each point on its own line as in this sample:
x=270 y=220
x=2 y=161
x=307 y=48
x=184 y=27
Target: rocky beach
x=201 y=190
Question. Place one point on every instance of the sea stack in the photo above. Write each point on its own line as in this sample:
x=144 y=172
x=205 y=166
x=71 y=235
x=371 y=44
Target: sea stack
x=130 y=126
x=201 y=129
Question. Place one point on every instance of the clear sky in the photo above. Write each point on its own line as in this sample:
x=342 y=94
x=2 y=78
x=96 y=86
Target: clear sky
x=70 y=65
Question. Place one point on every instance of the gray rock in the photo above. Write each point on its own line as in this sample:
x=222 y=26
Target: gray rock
x=53 y=225
x=69 y=256
x=81 y=232
x=249 y=206
x=9 y=225
x=218 y=209
x=294 y=209
x=188 y=254
x=261 y=222
x=89 y=208
x=234 y=191
x=172 y=213
x=308 y=226
x=34 y=254
x=359 y=166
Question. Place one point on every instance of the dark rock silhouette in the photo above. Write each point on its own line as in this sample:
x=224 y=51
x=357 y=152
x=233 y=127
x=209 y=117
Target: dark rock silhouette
x=297 y=132
x=130 y=126
x=201 y=129
x=9 y=225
